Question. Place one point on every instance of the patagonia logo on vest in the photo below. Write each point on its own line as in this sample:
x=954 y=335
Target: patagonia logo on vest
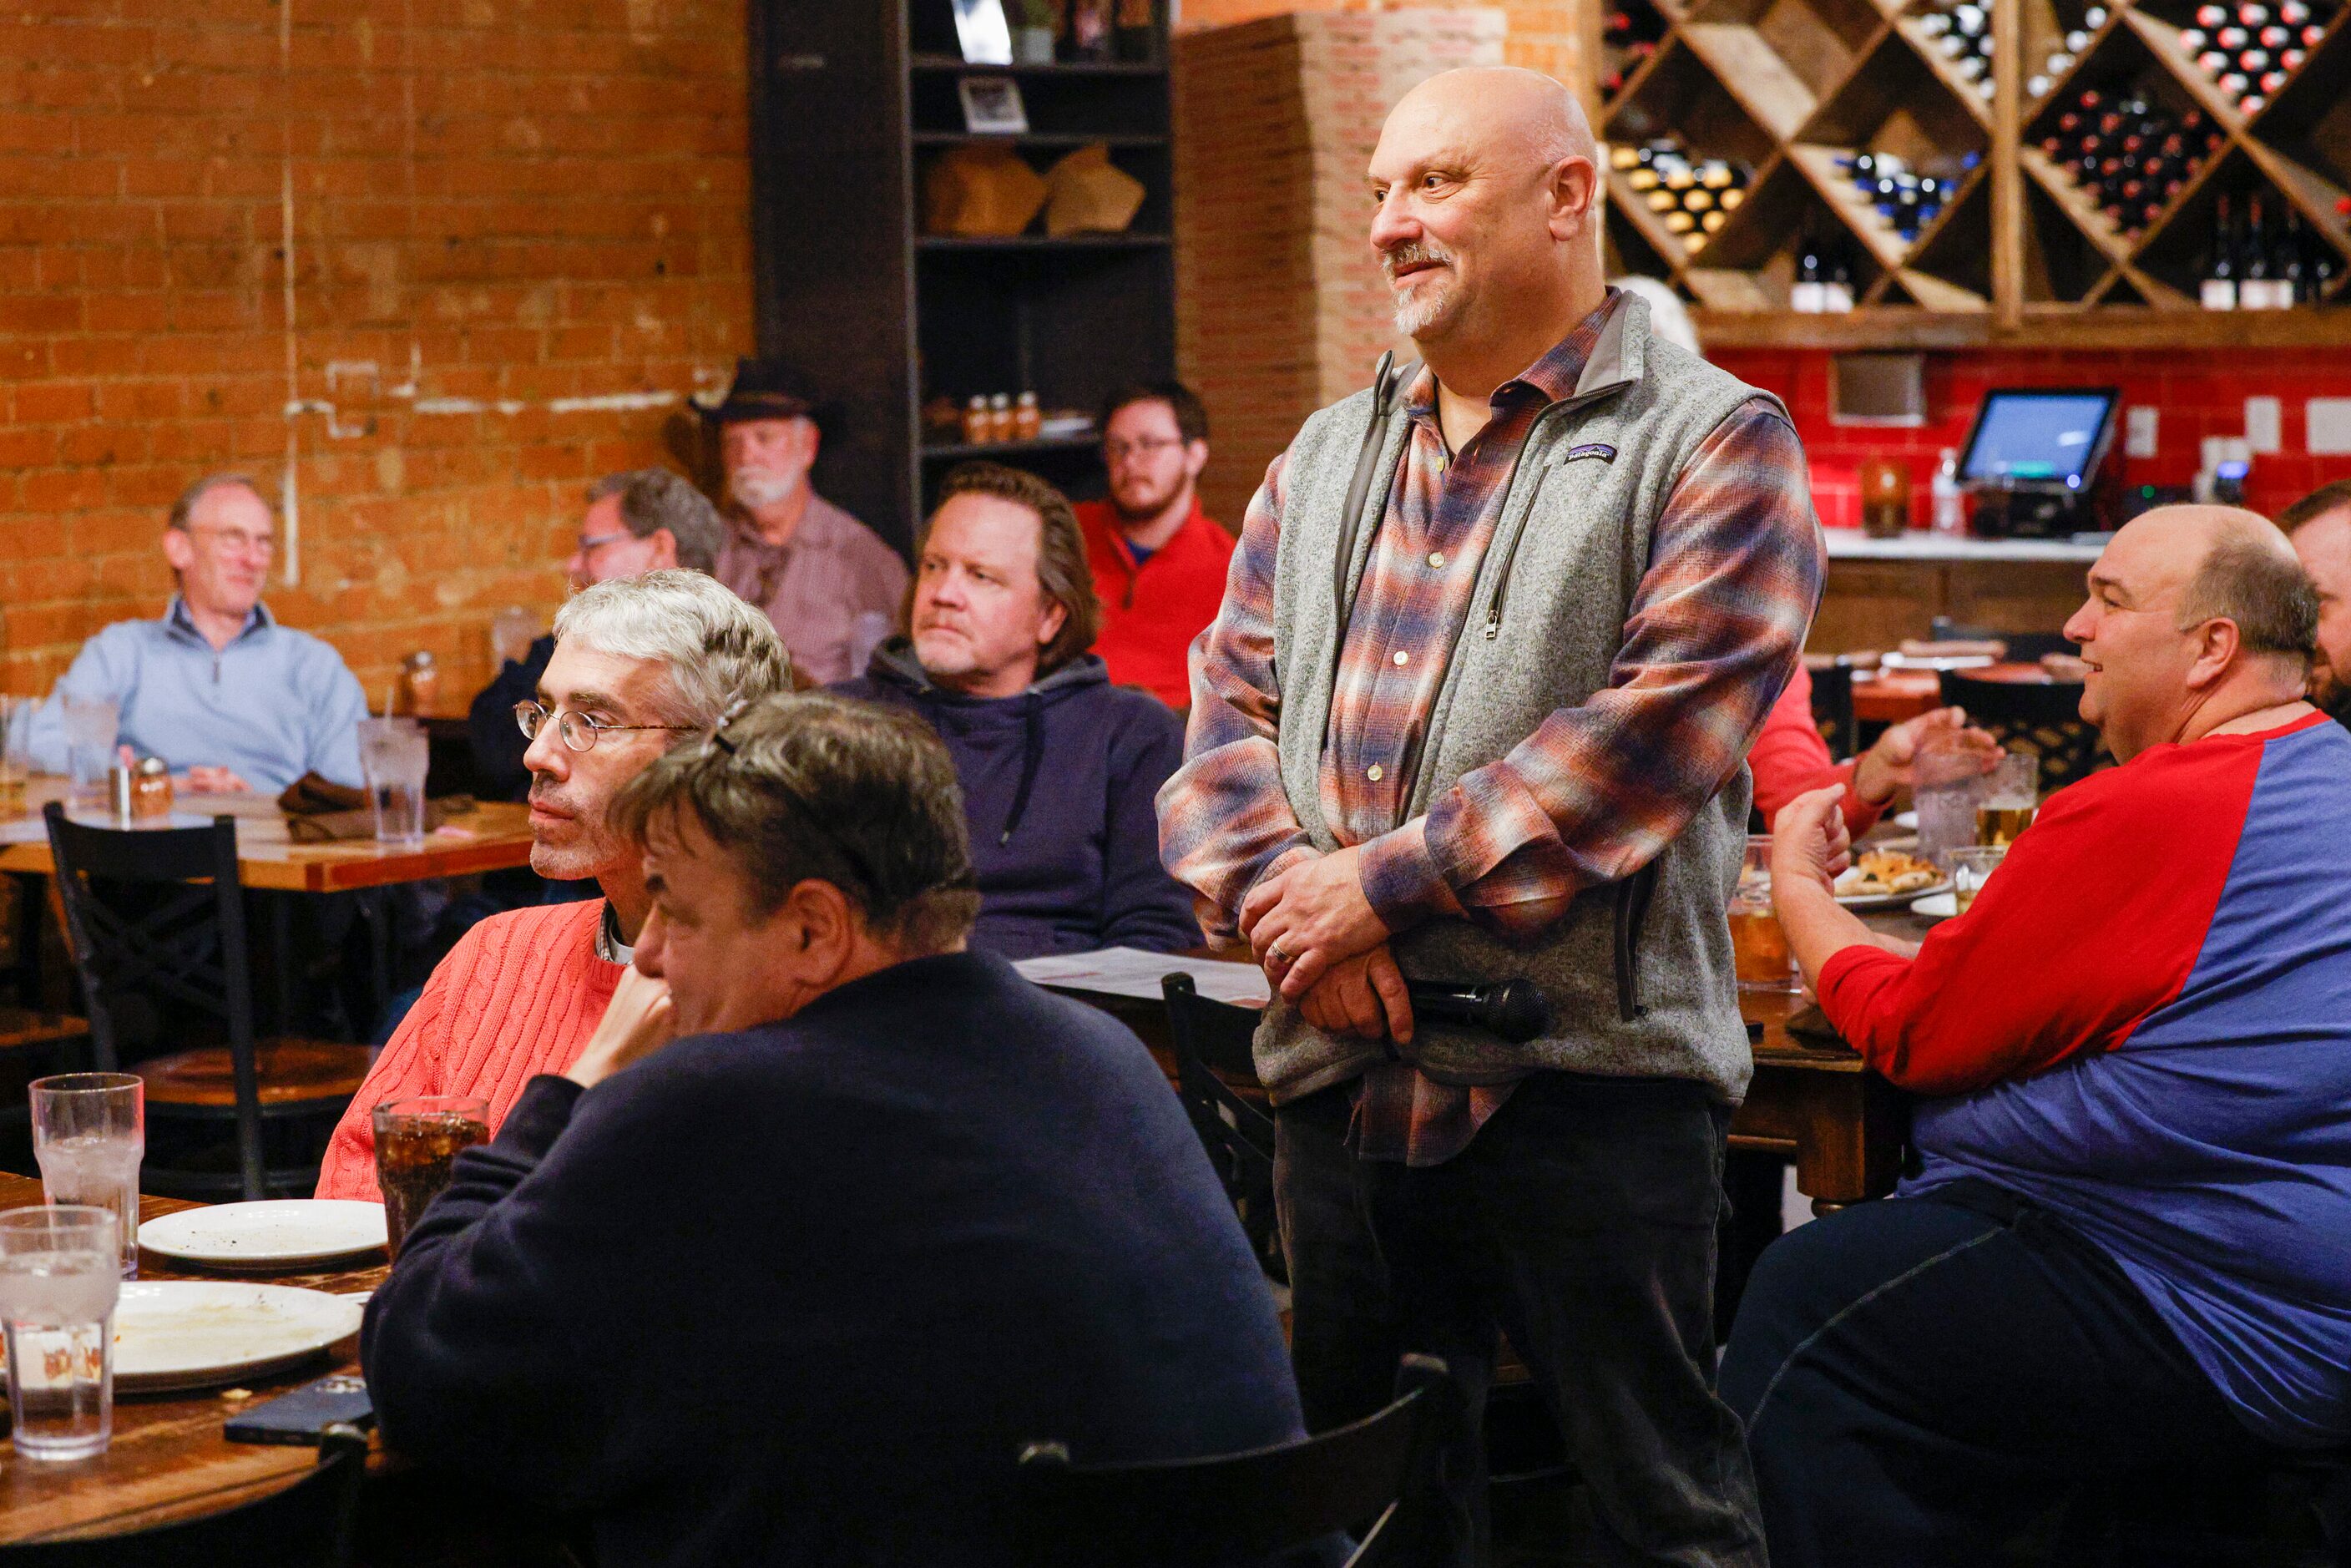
x=1600 y=449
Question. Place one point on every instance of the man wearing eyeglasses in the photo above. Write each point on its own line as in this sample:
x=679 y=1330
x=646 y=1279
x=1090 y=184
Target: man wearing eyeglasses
x=231 y=699
x=640 y=665
x=1158 y=562
x=647 y=520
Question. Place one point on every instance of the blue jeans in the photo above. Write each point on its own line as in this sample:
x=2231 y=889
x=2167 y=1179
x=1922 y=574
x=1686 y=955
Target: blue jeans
x=1580 y=1222
x=1921 y=1377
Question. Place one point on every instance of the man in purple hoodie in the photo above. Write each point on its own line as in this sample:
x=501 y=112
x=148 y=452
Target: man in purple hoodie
x=1058 y=766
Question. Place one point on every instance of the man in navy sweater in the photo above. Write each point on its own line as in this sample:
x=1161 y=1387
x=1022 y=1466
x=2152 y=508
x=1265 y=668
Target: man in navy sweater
x=1059 y=768
x=832 y=1215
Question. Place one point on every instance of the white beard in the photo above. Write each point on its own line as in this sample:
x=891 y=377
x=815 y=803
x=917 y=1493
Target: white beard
x=759 y=489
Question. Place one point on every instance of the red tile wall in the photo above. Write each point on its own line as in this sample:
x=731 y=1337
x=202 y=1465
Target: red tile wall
x=2198 y=392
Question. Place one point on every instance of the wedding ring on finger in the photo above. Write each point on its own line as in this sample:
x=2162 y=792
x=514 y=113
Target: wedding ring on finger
x=1274 y=955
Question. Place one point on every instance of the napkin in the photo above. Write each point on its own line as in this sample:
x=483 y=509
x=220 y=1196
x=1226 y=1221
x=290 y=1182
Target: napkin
x=319 y=811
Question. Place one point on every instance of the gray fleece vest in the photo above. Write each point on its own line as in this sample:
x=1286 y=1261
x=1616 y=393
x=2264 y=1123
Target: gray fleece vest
x=1637 y=972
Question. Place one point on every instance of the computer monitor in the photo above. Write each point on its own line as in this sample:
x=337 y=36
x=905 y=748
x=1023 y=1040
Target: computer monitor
x=2040 y=437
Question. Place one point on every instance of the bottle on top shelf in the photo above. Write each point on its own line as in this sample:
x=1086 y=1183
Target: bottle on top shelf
x=2250 y=50
x=1808 y=294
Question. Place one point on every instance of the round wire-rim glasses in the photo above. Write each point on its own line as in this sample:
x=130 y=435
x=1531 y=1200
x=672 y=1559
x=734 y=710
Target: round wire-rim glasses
x=576 y=730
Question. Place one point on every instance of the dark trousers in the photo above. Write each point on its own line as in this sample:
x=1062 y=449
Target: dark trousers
x=1580 y=1222
x=1921 y=1377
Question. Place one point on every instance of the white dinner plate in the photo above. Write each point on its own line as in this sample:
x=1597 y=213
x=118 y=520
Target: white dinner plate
x=1938 y=906
x=1863 y=903
x=196 y=1333
x=269 y=1237
x=1907 y=819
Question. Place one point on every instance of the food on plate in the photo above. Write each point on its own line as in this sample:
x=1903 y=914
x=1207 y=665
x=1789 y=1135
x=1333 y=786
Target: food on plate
x=1880 y=874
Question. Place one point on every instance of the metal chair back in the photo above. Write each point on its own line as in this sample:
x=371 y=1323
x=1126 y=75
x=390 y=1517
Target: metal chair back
x=158 y=913
x=2042 y=718
x=1241 y=1509
x=1213 y=1052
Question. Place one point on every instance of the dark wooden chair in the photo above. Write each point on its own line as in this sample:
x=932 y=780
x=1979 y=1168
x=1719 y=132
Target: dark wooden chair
x=2026 y=715
x=1213 y=1054
x=157 y=913
x=1833 y=707
x=307 y=1525
x=1238 y=1511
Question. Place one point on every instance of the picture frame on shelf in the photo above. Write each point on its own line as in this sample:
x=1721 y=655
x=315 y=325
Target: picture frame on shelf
x=982 y=33
x=992 y=106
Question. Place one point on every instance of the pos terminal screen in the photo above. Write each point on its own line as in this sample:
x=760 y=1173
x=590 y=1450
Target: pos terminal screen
x=2039 y=437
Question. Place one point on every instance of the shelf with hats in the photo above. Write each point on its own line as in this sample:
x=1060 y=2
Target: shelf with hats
x=936 y=229
x=1891 y=156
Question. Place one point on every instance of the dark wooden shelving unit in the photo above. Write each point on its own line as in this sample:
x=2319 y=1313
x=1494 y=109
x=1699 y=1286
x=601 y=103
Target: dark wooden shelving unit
x=2018 y=256
x=850 y=104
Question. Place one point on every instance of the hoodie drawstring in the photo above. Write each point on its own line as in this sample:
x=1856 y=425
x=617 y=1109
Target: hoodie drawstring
x=1032 y=756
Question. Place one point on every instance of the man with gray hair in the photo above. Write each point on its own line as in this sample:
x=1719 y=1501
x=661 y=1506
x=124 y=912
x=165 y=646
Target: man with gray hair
x=646 y=519
x=639 y=663
x=217 y=687
x=833 y=1217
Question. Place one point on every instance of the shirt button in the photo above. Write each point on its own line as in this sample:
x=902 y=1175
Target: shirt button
x=1401 y=658
x=1375 y=773
x=1436 y=557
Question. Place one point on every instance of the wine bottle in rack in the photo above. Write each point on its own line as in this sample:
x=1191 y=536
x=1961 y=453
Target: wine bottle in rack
x=2219 y=290
x=2256 y=265
x=1809 y=296
x=2251 y=50
x=1692 y=198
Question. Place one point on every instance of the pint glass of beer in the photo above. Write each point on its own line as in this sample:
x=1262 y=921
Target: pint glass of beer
x=416 y=1142
x=1759 y=947
x=2010 y=796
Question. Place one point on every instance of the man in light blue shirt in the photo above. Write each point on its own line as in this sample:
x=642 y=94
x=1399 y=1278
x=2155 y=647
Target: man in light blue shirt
x=216 y=688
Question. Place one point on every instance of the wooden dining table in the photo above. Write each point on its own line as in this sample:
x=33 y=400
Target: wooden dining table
x=494 y=836
x=1890 y=697
x=169 y=1458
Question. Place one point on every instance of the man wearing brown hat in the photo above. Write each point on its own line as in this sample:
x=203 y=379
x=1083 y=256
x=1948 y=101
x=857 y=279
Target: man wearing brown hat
x=829 y=583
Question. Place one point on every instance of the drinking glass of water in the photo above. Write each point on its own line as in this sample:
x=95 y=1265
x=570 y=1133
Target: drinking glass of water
x=15 y=764
x=58 y=1283
x=90 y=1132
x=92 y=725
x=397 y=756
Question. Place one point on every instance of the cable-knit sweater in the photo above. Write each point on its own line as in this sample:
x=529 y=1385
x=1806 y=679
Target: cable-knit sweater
x=518 y=995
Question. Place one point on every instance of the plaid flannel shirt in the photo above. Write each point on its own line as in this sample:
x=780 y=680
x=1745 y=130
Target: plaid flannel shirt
x=1716 y=627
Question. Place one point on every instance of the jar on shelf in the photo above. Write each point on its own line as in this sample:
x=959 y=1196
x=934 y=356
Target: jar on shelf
x=1026 y=417
x=999 y=417
x=977 y=425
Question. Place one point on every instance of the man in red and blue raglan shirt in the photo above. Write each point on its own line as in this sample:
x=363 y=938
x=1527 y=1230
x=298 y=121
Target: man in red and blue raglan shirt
x=2128 y=1241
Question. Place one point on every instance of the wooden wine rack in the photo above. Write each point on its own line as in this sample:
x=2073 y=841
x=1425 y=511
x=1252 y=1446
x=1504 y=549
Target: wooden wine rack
x=2018 y=254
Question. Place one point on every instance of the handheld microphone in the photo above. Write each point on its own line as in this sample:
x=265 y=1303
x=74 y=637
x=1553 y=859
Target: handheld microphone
x=1513 y=1009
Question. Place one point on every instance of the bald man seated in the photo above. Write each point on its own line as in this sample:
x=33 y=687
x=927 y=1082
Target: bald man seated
x=2124 y=1246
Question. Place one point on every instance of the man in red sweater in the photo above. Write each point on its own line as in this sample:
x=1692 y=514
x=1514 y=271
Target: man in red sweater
x=639 y=665
x=1159 y=563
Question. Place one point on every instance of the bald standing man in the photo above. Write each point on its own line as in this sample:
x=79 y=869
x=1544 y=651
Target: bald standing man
x=1497 y=637
x=2124 y=1244
x=2320 y=526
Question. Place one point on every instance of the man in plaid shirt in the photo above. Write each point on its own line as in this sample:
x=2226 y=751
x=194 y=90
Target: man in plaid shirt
x=1496 y=640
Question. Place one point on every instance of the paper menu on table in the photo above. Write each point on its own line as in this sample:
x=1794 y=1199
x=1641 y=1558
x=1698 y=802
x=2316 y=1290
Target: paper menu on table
x=1131 y=972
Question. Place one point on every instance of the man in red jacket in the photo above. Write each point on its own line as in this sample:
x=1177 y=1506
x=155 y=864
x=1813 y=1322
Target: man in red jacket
x=1159 y=563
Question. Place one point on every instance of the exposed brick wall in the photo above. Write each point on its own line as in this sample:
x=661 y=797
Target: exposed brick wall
x=1543 y=34
x=2196 y=395
x=505 y=203
x=1278 y=308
